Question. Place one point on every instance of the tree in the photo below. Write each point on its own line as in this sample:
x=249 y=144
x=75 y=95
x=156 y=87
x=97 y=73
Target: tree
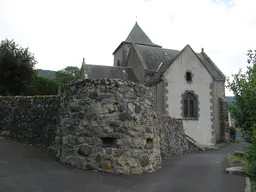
x=243 y=86
x=67 y=75
x=42 y=86
x=16 y=68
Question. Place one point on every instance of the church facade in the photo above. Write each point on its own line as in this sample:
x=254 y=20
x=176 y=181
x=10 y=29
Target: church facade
x=185 y=84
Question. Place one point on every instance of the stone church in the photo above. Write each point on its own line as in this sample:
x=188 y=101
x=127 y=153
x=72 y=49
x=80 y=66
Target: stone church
x=185 y=84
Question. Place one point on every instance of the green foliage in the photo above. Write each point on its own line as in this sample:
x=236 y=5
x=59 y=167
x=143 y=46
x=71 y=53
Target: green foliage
x=243 y=86
x=42 y=86
x=252 y=154
x=243 y=109
x=234 y=156
x=232 y=131
x=67 y=75
x=16 y=67
x=46 y=73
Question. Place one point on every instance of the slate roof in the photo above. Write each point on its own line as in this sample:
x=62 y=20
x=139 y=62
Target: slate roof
x=137 y=36
x=211 y=67
x=153 y=56
x=168 y=56
x=109 y=72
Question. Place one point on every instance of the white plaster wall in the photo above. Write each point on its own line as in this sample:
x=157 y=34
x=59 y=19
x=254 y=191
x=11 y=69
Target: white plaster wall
x=201 y=129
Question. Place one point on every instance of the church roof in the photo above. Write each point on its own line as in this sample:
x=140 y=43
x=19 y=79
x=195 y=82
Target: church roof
x=155 y=57
x=109 y=72
x=137 y=36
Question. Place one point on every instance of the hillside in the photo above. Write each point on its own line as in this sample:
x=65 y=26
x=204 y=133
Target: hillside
x=46 y=73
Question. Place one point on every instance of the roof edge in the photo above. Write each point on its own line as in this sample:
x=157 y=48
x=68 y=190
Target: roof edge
x=128 y=42
x=140 y=57
x=215 y=66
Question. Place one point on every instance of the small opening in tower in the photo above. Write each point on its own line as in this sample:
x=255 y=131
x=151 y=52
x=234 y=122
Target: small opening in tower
x=109 y=141
x=149 y=143
x=189 y=76
x=118 y=63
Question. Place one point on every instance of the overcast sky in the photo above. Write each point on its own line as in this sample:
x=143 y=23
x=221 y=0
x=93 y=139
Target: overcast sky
x=61 y=32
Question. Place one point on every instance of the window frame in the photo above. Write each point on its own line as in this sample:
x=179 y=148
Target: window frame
x=187 y=97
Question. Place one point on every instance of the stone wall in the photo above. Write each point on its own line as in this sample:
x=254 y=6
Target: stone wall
x=111 y=126
x=107 y=125
x=29 y=119
x=172 y=135
x=224 y=124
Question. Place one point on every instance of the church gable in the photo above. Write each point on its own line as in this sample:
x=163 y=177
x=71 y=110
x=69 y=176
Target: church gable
x=203 y=59
x=186 y=60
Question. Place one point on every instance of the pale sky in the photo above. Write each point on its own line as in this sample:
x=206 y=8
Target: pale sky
x=61 y=32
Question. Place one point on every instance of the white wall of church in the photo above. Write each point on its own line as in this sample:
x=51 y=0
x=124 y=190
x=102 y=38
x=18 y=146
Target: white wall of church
x=201 y=129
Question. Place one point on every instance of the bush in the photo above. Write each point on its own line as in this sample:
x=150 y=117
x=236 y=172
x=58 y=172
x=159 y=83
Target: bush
x=42 y=86
x=252 y=155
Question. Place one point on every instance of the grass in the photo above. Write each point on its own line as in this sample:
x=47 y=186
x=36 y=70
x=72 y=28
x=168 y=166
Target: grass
x=243 y=158
x=233 y=156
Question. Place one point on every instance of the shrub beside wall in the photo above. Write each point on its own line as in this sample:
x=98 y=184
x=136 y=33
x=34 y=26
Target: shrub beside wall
x=31 y=119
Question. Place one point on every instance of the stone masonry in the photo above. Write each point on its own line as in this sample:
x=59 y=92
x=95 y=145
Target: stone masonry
x=225 y=130
x=106 y=125
x=30 y=119
x=110 y=125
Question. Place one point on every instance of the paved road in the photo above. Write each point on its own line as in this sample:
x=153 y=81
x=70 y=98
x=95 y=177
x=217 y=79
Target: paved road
x=27 y=169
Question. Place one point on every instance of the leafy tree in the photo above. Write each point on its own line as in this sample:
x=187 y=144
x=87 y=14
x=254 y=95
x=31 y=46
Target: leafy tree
x=243 y=86
x=42 y=86
x=16 y=67
x=67 y=75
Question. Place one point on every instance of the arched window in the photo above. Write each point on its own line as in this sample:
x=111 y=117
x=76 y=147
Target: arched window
x=190 y=105
x=118 y=63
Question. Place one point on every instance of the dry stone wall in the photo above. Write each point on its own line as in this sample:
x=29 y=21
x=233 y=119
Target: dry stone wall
x=29 y=119
x=107 y=125
x=172 y=135
x=111 y=126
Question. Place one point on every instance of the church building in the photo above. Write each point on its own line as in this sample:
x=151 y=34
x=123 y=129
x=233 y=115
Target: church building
x=186 y=84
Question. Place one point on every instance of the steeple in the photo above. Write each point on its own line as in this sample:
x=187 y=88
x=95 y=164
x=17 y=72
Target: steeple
x=137 y=35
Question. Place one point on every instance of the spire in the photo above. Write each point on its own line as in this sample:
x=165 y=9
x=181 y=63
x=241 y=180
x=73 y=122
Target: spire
x=83 y=63
x=137 y=35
